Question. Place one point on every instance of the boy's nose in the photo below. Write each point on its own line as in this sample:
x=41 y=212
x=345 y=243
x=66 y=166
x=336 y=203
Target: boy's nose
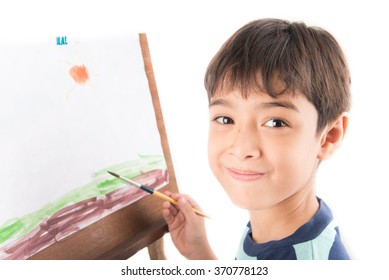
x=245 y=145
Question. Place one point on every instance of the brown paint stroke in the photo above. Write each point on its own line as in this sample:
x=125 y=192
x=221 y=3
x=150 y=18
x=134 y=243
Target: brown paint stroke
x=74 y=217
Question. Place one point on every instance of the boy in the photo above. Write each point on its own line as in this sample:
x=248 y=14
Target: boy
x=278 y=100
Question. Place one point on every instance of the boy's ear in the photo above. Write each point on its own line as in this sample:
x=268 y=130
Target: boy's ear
x=332 y=136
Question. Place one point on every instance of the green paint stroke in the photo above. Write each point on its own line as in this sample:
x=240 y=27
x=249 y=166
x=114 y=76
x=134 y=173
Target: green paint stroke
x=102 y=184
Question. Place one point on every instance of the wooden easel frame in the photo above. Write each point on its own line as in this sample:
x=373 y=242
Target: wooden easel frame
x=123 y=233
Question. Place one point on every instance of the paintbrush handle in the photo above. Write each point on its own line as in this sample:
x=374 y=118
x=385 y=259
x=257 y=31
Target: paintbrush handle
x=154 y=192
x=165 y=197
x=171 y=200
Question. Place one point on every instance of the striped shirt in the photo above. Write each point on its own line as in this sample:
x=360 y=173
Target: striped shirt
x=318 y=239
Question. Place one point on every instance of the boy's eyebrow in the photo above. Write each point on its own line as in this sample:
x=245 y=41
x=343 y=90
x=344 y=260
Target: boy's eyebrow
x=284 y=104
x=265 y=105
x=222 y=102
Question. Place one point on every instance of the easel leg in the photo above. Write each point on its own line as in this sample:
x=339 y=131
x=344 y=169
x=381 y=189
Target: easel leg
x=156 y=250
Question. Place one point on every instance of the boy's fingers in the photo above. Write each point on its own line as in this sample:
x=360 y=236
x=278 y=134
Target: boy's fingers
x=185 y=204
x=169 y=212
x=167 y=216
x=166 y=204
x=172 y=209
x=186 y=208
x=191 y=201
x=176 y=196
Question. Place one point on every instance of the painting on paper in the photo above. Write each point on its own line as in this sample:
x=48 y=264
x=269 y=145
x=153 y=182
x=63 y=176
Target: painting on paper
x=70 y=110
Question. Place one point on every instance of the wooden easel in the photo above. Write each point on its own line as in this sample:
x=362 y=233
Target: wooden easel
x=139 y=225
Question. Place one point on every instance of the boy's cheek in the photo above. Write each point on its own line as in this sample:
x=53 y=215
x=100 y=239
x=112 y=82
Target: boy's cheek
x=297 y=163
x=216 y=143
x=216 y=151
x=212 y=152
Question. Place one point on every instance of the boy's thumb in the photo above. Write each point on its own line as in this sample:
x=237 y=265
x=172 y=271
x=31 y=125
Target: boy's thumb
x=186 y=208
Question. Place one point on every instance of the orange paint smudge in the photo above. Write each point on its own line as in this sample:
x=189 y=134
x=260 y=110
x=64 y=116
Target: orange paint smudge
x=79 y=73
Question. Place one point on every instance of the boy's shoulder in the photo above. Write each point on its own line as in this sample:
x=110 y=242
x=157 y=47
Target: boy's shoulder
x=319 y=238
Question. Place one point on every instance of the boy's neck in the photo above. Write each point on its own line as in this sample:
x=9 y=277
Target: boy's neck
x=283 y=219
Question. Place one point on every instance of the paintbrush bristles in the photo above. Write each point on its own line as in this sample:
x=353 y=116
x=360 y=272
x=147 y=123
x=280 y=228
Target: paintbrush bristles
x=128 y=181
x=113 y=174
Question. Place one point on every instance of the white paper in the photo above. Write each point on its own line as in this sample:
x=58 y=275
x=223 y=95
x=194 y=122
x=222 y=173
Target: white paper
x=56 y=133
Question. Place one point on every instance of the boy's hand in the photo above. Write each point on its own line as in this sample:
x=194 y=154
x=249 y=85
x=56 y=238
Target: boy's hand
x=187 y=229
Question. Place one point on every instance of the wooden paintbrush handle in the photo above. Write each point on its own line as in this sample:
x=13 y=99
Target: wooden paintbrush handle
x=171 y=200
x=165 y=197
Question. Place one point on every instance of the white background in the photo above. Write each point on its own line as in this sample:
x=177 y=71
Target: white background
x=184 y=35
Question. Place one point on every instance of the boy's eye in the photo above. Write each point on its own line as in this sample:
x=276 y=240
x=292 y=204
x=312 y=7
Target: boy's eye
x=275 y=123
x=224 y=120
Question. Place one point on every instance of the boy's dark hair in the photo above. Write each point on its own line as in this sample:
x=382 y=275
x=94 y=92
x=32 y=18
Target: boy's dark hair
x=302 y=58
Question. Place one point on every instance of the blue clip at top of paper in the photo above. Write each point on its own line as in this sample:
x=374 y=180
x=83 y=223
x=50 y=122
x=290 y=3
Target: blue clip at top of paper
x=62 y=40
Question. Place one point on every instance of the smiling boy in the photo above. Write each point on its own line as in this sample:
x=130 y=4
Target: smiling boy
x=278 y=100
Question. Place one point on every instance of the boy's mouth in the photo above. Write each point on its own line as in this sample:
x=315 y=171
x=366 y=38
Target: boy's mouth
x=244 y=175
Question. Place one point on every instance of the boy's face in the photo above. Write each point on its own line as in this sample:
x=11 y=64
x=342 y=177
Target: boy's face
x=263 y=150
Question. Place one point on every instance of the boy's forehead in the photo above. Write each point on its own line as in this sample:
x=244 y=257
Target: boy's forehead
x=273 y=86
x=258 y=95
x=295 y=101
x=233 y=92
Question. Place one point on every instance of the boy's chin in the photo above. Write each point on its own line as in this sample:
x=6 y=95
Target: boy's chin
x=248 y=204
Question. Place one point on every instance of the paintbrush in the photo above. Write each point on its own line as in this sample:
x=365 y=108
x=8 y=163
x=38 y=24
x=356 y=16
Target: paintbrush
x=154 y=192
